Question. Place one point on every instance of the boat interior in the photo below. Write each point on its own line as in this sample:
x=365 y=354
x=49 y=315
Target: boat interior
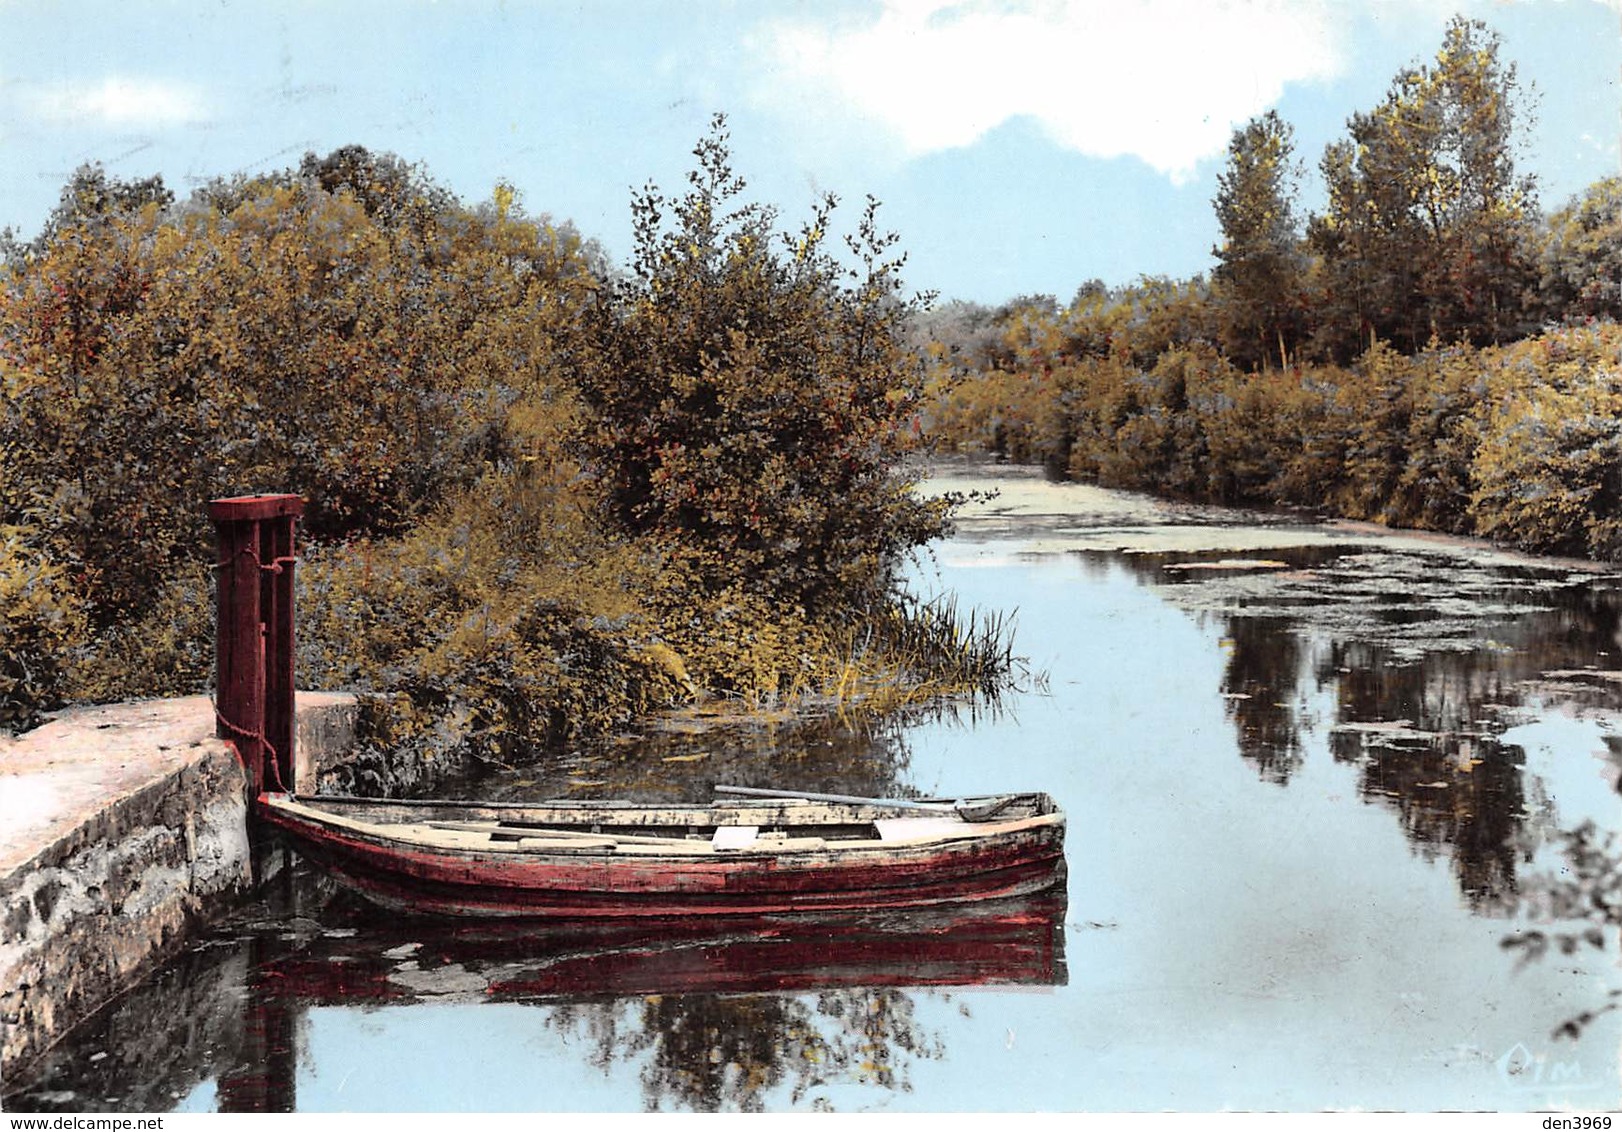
x=756 y=826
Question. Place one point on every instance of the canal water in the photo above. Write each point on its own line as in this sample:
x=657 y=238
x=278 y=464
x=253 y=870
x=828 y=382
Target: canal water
x=1317 y=777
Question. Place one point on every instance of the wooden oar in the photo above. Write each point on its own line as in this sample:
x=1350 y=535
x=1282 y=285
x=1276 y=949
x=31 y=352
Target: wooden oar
x=980 y=810
x=502 y=831
x=847 y=799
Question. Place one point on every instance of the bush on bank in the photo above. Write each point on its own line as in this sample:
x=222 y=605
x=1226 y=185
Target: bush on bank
x=44 y=625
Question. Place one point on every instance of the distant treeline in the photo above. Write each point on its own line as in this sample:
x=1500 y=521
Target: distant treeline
x=1431 y=350
x=544 y=495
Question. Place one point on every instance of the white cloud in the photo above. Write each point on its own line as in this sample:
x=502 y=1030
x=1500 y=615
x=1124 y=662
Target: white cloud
x=119 y=101
x=1162 y=80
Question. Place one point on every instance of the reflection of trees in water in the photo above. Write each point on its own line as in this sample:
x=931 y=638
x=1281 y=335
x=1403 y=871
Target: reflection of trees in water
x=1455 y=787
x=713 y=1053
x=1583 y=627
x=1454 y=794
x=1417 y=713
x=1444 y=692
x=1585 y=899
x=1434 y=761
x=1260 y=681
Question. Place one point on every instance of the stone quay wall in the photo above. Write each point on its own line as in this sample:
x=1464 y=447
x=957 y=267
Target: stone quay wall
x=122 y=828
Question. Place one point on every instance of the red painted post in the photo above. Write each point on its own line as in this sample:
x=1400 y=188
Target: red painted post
x=254 y=649
x=276 y=537
x=238 y=677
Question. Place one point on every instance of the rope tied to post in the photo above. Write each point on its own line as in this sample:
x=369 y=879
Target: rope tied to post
x=259 y=737
x=274 y=566
x=256 y=536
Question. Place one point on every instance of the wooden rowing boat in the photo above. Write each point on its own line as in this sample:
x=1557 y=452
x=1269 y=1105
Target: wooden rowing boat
x=753 y=853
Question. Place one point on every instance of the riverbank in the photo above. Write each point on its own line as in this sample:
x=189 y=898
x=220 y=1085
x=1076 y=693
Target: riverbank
x=1038 y=514
x=1512 y=443
x=126 y=827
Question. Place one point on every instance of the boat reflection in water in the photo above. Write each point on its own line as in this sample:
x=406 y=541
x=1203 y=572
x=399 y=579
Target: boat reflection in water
x=998 y=942
x=776 y=1001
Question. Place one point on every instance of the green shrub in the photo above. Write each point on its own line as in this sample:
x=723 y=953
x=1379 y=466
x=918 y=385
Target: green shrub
x=166 y=650
x=504 y=622
x=43 y=628
x=279 y=337
x=751 y=397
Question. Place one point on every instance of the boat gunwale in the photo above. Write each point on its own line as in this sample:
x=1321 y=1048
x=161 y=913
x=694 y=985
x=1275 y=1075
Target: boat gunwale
x=907 y=807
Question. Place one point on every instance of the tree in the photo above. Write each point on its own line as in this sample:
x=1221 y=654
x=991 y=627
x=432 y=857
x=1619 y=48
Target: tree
x=1426 y=233
x=90 y=198
x=1261 y=267
x=1581 y=261
x=392 y=192
x=751 y=396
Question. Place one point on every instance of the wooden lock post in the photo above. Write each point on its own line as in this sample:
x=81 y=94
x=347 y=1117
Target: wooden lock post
x=254 y=633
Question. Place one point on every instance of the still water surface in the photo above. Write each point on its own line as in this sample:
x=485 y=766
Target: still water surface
x=1307 y=769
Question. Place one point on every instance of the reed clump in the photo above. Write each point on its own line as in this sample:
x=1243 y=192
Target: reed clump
x=922 y=649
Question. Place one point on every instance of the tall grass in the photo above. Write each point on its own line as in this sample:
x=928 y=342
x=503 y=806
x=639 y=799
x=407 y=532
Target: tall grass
x=922 y=649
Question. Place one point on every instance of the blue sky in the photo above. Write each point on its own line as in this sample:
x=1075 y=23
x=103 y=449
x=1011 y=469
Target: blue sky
x=1019 y=146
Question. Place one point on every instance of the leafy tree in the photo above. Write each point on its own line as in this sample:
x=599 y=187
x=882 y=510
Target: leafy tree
x=1261 y=270
x=1091 y=323
x=956 y=339
x=1581 y=260
x=89 y=198
x=1024 y=325
x=1363 y=279
x=391 y=191
x=752 y=396
x=1378 y=394
x=1426 y=233
x=42 y=627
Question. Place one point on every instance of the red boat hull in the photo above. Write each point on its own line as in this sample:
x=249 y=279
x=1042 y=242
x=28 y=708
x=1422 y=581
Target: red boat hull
x=1015 y=863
